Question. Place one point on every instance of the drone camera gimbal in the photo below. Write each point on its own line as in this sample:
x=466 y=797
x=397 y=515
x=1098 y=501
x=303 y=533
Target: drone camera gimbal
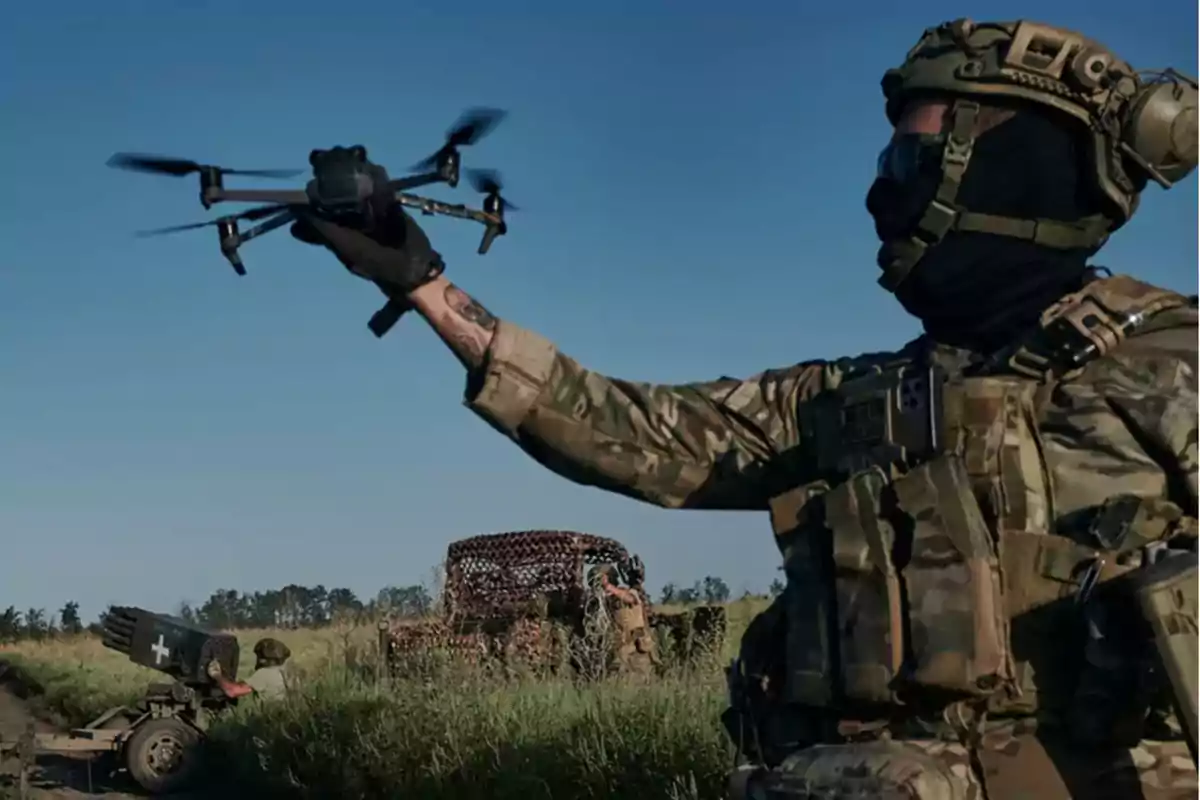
x=346 y=188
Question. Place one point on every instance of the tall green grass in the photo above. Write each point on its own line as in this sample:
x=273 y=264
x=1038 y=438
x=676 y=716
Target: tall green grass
x=467 y=734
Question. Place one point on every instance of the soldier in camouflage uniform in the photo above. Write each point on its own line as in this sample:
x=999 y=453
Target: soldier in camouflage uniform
x=267 y=681
x=633 y=645
x=955 y=517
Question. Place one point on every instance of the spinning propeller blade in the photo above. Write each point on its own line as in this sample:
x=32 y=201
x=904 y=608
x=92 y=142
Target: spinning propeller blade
x=473 y=125
x=177 y=167
x=259 y=212
x=489 y=182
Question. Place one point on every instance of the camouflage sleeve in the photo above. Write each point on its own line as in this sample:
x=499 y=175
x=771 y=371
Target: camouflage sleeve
x=717 y=445
x=1152 y=387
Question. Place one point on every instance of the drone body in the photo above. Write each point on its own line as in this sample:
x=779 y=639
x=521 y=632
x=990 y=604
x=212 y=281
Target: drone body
x=347 y=189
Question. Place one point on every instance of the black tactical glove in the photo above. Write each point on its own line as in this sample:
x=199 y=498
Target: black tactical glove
x=395 y=253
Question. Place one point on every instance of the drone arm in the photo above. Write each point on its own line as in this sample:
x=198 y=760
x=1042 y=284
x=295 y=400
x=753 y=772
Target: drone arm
x=286 y=197
x=415 y=181
x=268 y=225
x=428 y=206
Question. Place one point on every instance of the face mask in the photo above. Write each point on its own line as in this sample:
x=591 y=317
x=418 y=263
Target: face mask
x=908 y=155
x=906 y=179
x=976 y=289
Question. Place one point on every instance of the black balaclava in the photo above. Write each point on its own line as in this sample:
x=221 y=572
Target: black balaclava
x=979 y=290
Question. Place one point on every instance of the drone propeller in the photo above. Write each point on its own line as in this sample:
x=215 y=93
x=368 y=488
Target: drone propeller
x=488 y=182
x=258 y=212
x=473 y=125
x=178 y=167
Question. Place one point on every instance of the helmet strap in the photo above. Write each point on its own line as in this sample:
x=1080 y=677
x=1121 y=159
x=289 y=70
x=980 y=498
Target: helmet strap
x=944 y=214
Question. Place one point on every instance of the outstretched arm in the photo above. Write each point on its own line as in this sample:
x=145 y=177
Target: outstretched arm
x=717 y=445
x=463 y=324
x=232 y=689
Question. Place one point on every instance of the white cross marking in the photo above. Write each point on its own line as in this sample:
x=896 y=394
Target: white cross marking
x=160 y=650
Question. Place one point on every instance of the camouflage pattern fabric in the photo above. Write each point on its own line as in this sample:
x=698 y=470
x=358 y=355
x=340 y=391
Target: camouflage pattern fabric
x=916 y=770
x=1016 y=766
x=731 y=444
x=1124 y=424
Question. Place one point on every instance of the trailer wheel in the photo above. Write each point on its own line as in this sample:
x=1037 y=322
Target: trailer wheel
x=163 y=755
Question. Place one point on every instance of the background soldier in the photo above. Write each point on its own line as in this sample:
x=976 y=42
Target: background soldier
x=267 y=680
x=626 y=605
x=1042 y=434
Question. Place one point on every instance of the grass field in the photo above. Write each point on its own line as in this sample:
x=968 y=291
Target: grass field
x=339 y=735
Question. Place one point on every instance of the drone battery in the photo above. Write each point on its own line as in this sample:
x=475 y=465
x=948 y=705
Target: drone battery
x=169 y=644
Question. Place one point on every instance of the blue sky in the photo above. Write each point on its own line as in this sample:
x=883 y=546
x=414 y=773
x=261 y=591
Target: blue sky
x=691 y=184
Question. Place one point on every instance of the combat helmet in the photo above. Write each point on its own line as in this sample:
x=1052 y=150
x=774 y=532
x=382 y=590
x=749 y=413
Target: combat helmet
x=1140 y=125
x=271 y=651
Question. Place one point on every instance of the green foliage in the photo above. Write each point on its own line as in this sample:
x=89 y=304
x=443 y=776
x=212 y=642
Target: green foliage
x=710 y=589
x=69 y=620
x=484 y=738
x=461 y=734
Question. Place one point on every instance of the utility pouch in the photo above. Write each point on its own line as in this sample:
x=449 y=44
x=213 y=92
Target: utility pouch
x=807 y=602
x=869 y=634
x=958 y=631
x=1166 y=593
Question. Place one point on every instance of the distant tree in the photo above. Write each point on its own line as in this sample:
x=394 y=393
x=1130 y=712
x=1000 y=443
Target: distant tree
x=713 y=590
x=670 y=592
x=315 y=608
x=404 y=601
x=69 y=618
x=11 y=625
x=776 y=588
x=222 y=610
x=186 y=613
x=342 y=601
x=36 y=625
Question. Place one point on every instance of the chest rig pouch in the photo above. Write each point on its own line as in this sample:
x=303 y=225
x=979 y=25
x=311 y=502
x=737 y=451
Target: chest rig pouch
x=894 y=575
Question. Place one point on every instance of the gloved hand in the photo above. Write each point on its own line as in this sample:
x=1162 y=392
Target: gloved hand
x=213 y=668
x=395 y=254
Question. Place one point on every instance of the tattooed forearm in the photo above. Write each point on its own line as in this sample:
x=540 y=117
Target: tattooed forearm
x=461 y=321
x=469 y=308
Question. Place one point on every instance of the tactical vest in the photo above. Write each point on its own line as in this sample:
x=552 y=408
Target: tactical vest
x=927 y=563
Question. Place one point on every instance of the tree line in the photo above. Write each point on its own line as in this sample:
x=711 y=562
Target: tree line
x=295 y=606
x=710 y=589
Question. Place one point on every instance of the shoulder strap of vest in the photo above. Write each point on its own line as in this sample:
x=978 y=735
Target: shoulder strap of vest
x=1089 y=324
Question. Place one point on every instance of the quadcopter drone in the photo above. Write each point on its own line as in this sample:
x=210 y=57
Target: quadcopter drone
x=346 y=188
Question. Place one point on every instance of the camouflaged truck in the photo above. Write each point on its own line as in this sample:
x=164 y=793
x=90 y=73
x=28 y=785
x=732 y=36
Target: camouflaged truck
x=523 y=598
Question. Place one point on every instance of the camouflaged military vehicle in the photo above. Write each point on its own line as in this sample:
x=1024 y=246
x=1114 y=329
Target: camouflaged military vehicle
x=524 y=598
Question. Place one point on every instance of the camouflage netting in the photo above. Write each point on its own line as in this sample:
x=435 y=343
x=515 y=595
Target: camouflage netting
x=500 y=588
x=498 y=575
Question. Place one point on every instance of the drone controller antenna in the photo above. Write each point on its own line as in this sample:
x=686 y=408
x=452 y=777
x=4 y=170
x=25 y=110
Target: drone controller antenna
x=227 y=230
